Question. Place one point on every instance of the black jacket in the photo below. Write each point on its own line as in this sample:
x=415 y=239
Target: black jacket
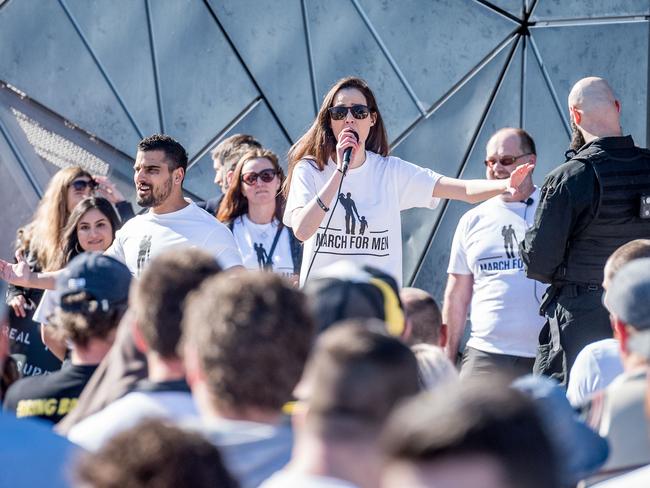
x=568 y=242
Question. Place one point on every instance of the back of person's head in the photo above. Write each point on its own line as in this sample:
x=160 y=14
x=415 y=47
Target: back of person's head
x=580 y=451
x=345 y=290
x=638 y=248
x=434 y=367
x=628 y=297
x=460 y=432
x=356 y=375
x=92 y=293
x=250 y=334
x=157 y=298
x=175 y=153
x=154 y=454
x=231 y=149
x=423 y=316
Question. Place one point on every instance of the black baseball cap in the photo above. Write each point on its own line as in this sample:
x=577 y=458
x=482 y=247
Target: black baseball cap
x=104 y=279
x=344 y=290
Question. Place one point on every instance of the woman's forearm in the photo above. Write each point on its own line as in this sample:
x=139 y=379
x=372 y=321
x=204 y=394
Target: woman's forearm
x=471 y=191
x=306 y=220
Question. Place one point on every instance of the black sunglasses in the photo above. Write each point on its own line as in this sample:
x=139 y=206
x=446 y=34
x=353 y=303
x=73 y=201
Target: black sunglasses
x=82 y=185
x=358 y=112
x=266 y=175
x=505 y=160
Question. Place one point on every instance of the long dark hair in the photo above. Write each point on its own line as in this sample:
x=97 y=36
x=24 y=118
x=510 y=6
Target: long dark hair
x=234 y=204
x=319 y=142
x=69 y=241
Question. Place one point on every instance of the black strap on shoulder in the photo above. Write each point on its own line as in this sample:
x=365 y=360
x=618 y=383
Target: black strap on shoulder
x=269 y=257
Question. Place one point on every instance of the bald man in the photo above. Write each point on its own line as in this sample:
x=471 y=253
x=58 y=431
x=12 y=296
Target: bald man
x=485 y=270
x=591 y=205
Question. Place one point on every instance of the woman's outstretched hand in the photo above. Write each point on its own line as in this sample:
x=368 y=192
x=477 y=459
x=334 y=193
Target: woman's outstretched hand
x=521 y=182
x=17 y=274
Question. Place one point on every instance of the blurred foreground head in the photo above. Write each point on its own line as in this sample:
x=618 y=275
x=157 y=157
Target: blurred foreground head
x=475 y=434
x=154 y=454
x=246 y=338
x=344 y=290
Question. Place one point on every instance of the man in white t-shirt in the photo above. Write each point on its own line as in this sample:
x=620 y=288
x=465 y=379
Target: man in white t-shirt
x=171 y=220
x=485 y=270
x=159 y=171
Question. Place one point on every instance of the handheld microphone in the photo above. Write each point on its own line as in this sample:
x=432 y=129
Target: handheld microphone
x=347 y=154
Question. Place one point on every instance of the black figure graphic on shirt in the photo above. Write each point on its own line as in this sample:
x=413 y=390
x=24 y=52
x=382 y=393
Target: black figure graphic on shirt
x=350 y=211
x=509 y=239
x=363 y=225
x=262 y=256
x=144 y=250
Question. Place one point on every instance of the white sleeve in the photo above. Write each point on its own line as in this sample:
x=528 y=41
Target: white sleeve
x=222 y=243
x=116 y=250
x=415 y=185
x=584 y=372
x=45 y=307
x=458 y=255
x=302 y=190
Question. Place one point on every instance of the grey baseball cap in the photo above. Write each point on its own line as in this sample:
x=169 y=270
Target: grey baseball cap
x=628 y=298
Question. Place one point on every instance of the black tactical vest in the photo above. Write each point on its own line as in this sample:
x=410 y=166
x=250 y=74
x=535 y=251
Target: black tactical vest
x=621 y=183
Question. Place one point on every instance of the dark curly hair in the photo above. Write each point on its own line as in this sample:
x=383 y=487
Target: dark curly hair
x=154 y=453
x=157 y=298
x=252 y=333
x=90 y=322
x=175 y=153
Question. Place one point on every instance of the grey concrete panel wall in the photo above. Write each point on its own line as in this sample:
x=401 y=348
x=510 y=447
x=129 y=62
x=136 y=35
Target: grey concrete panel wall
x=447 y=74
x=561 y=9
x=429 y=57
x=120 y=40
x=271 y=39
x=573 y=52
x=202 y=83
x=352 y=51
x=200 y=177
x=503 y=111
x=41 y=52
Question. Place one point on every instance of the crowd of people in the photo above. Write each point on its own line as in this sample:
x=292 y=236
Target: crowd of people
x=263 y=337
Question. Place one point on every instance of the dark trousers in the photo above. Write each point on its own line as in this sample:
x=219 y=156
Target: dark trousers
x=479 y=363
x=575 y=317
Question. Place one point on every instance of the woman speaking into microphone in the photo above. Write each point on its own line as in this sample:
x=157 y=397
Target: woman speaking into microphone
x=353 y=212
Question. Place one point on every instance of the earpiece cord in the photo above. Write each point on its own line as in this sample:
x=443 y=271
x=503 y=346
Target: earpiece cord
x=327 y=226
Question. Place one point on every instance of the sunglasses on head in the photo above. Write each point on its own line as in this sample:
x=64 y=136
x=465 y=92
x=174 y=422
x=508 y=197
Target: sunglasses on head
x=266 y=175
x=82 y=185
x=358 y=112
x=505 y=160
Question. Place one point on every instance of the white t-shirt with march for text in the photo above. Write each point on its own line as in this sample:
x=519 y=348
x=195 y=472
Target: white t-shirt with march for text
x=145 y=236
x=505 y=303
x=366 y=226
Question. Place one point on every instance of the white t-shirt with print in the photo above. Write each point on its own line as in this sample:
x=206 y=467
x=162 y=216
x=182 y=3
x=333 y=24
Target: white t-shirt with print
x=366 y=226
x=595 y=367
x=292 y=479
x=145 y=236
x=505 y=304
x=255 y=241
